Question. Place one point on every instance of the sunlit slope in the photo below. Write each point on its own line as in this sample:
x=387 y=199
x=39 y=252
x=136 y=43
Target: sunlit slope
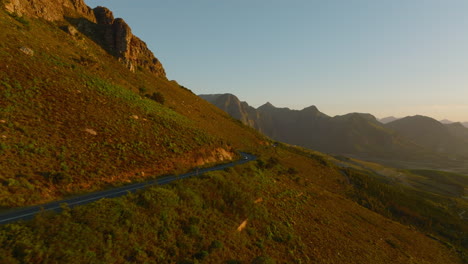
x=74 y=119
x=289 y=207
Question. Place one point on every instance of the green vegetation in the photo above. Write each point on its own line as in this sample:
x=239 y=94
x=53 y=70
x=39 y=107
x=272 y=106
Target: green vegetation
x=20 y=19
x=66 y=129
x=73 y=119
x=149 y=226
x=432 y=214
x=439 y=182
x=197 y=220
x=157 y=97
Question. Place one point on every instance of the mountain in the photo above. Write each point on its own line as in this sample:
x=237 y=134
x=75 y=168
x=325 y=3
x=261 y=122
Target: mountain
x=433 y=135
x=356 y=134
x=388 y=119
x=446 y=121
x=231 y=104
x=465 y=124
x=85 y=106
x=458 y=130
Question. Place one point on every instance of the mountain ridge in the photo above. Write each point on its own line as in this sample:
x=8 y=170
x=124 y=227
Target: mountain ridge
x=355 y=134
x=432 y=134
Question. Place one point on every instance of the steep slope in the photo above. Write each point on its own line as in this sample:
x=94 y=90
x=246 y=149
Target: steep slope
x=237 y=109
x=73 y=118
x=431 y=134
x=288 y=215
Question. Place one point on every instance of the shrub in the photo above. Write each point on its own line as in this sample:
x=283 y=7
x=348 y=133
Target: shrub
x=292 y=171
x=201 y=255
x=142 y=89
x=215 y=245
x=157 y=97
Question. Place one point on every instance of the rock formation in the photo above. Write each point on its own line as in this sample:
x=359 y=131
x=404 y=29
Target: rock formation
x=120 y=42
x=114 y=35
x=50 y=10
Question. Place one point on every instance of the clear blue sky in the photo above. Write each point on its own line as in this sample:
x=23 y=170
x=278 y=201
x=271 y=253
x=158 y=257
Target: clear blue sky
x=385 y=57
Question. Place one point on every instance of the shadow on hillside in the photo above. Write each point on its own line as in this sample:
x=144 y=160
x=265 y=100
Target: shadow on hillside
x=100 y=34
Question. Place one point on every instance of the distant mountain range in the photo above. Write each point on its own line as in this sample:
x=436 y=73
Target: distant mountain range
x=446 y=121
x=416 y=138
x=389 y=119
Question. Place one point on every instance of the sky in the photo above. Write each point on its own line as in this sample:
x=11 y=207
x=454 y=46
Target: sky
x=384 y=57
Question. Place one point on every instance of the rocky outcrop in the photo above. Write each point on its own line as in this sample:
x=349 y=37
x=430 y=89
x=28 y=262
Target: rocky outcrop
x=119 y=41
x=114 y=35
x=50 y=10
x=212 y=156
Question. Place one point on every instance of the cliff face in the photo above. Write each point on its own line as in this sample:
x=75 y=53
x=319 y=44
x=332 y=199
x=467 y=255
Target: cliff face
x=119 y=41
x=114 y=35
x=234 y=107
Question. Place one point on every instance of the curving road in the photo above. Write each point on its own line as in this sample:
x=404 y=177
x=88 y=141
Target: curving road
x=28 y=213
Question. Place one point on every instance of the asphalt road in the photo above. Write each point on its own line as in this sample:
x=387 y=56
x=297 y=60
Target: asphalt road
x=28 y=213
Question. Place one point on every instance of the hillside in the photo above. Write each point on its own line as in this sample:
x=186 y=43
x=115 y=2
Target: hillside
x=73 y=114
x=431 y=134
x=458 y=130
x=80 y=113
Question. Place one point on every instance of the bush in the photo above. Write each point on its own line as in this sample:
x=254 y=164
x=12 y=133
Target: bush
x=157 y=97
x=215 y=245
x=142 y=89
x=201 y=255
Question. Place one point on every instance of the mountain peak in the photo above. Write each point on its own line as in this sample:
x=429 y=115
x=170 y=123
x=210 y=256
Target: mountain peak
x=311 y=108
x=267 y=106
